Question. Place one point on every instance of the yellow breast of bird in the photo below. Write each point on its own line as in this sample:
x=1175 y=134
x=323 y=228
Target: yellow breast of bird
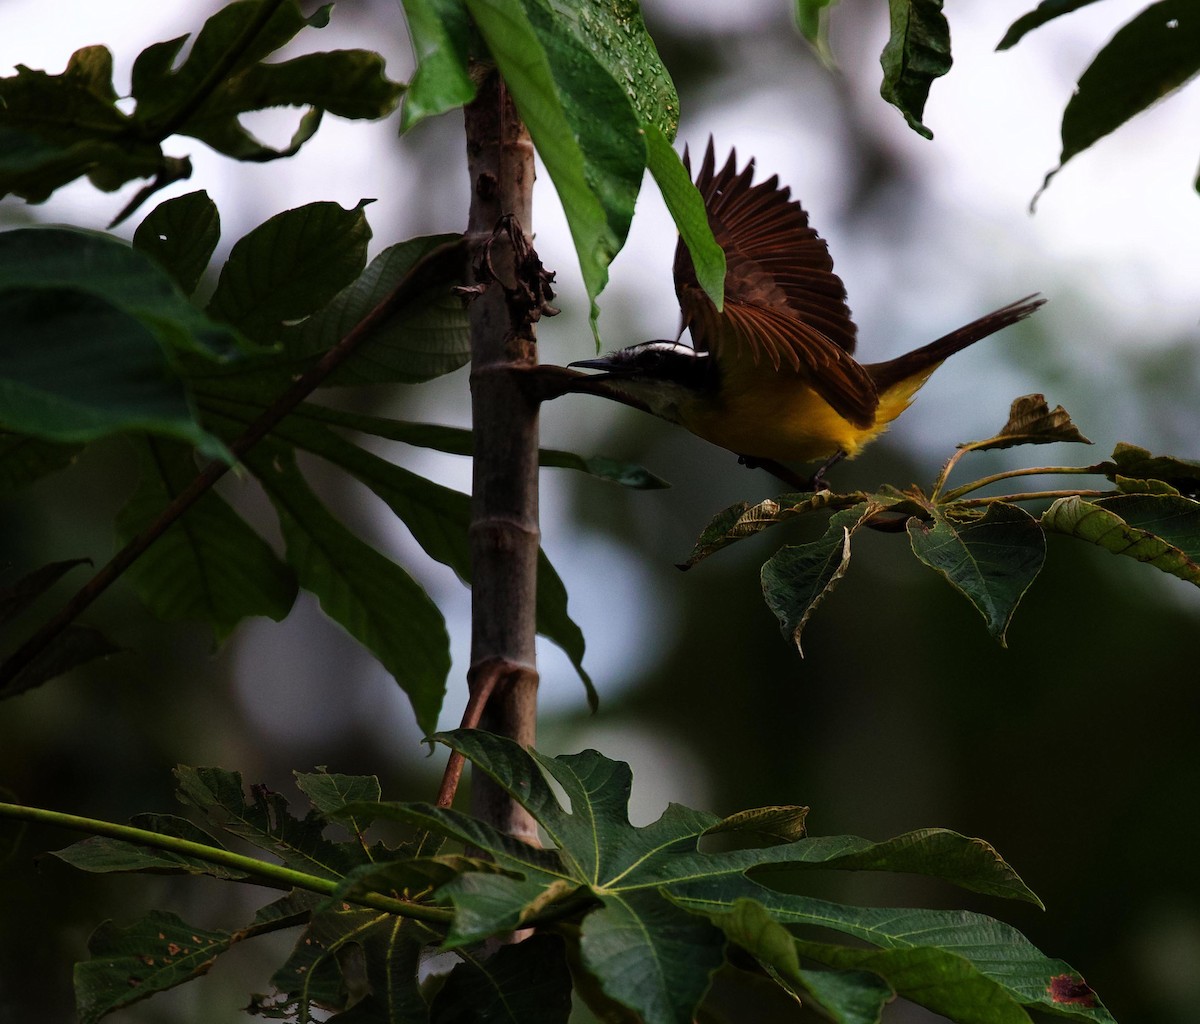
x=768 y=414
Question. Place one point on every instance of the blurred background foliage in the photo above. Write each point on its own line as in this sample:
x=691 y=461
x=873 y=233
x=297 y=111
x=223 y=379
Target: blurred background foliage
x=1074 y=752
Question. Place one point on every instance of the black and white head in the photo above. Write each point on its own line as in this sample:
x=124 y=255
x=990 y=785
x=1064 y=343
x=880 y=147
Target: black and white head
x=658 y=376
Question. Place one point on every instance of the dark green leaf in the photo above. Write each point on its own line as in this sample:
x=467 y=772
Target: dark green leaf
x=74 y=646
x=437 y=516
x=917 y=52
x=33 y=260
x=102 y=855
x=745 y=520
x=222 y=77
x=848 y=997
x=56 y=128
x=581 y=121
x=210 y=565
x=26 y=459
x=425 y=339
x=1137 y=463
x=265 y=821
x=133 y=963
x=812 y=19
x=1161 y=529
x=369 y=595
x=799 y=577
x=1032 y=421
x=1044 y=12
x=991 y=560
x=329 y=792
x=687 y=208
x=439 y=31
x=1121 y=82
x=181 y=235
x=458 y=441
x=525 y=983
x=289 y=267
x=15 y=598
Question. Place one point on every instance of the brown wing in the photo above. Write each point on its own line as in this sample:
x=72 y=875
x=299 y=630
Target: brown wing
x=783 y=302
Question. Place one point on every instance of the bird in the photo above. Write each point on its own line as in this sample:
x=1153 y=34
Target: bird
x=772 y=375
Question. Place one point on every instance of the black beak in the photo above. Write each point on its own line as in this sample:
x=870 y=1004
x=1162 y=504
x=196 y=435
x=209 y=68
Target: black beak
x=602 y=363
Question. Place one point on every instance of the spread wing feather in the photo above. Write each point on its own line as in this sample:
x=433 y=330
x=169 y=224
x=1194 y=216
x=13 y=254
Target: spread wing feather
x=783 y=302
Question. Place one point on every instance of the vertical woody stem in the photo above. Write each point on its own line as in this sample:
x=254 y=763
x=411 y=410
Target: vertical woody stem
x=504 y=528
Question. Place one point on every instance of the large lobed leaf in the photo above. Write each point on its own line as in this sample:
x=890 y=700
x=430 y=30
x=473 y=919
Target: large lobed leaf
x=662 y=909
x=55 y=128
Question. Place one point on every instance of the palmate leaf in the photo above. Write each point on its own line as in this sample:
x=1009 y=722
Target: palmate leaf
x=133 y=963
x=523 y=983
x=210 y=565
x=458 y=441
x=437 y=516
x=648 y=941
x=55 y=128
x=990 y=559
x=369 y=595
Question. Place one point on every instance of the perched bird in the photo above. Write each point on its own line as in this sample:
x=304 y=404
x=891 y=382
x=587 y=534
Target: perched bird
x=771 y=376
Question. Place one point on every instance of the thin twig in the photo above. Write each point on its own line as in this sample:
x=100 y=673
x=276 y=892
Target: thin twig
x=481 y=682
x=958 y=492
x=436 y=262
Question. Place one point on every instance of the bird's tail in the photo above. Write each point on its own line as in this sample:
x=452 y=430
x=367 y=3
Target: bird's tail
x=917 y=365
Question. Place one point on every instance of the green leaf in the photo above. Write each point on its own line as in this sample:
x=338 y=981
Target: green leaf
x=102 y=855
x=1044 y=12
x=459 y=441
x=525 y=983
x=133 y=963
x=812 y=19
x=991 y=560
x=687 y=208
x=222 y=77
x=1032 y=421
x=210 y=565
x=917 y=52
x=35 y=260
x=437 y=516
x=745 y=520
x=265 y=821
x=580 y=119
x=26 y=459
x=1161 y=529
x=799 y=577
x=18 y=596
x=289 y=267
x=75 y=368
x=74 y=646
x=439 y=30
x=425 y=339
x=181 y=234
x=329 y=792
x=369 y=595
x=1121 y=82
x=56 y=128
x=645 y=953
x=850 y=997
x=1138 y=463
